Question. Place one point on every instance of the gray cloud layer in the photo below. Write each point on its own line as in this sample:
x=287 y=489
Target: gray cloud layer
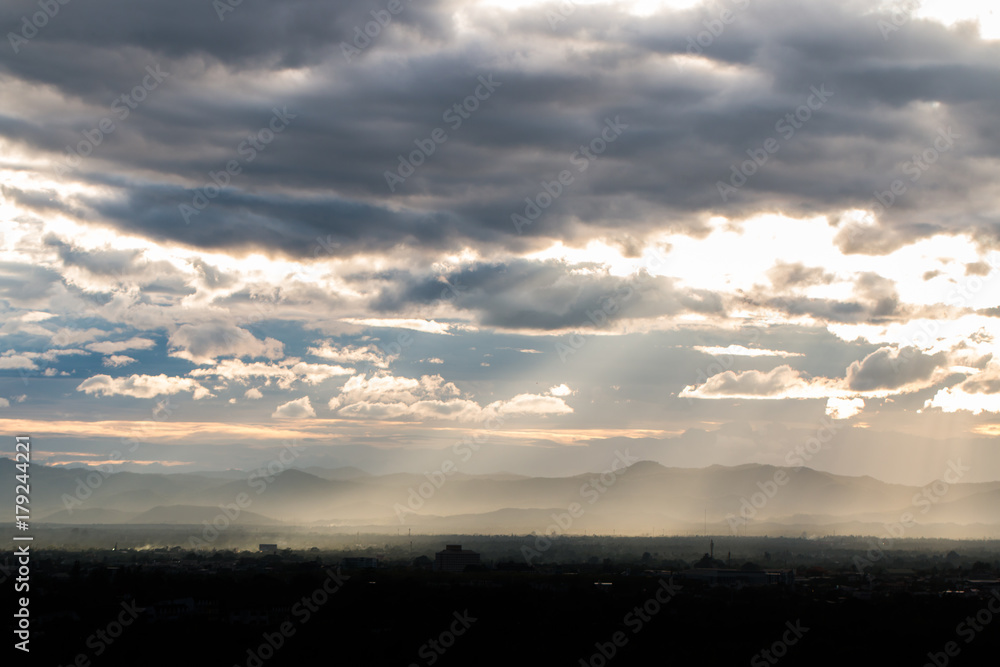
x=324 y=175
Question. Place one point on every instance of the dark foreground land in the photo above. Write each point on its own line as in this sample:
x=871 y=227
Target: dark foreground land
x=587 y=601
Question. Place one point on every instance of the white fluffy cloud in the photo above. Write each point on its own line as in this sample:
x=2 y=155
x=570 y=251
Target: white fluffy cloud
x=779 y=382
x=300 y=408
x=885 y=372
x=390 y=389
x=530 y=404
x=11 y=360
x=285 y=372
x=349 y=354
x=142 y=386
x=430 y=397
x=741 y=351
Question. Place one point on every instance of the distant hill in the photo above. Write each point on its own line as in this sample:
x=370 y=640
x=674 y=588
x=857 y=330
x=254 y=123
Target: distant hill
x=646 y=498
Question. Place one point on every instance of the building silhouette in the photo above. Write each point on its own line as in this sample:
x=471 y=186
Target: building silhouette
x=455 y=559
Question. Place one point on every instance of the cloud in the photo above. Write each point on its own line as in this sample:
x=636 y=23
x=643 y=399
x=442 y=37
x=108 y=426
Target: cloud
x=425 y=326
x=253 y=393
x=285 y=373
x=12 y=360
x=740 y=351
x=892 y=368
x=869 y=239
x=551 y=295
x=986 y=382
x=883 y=372
x=390 y=389
x=300 y=408
x=66 y=336
x=118 y=360
x=976 y=394
x=464 y=196
x=530 y=404
x=142 y=386
x=780 y=382
x=4 y=403
x=978 y=269
x=430 y=397
x=108 y=347
x=203 y=343
x=879 y=291
x=561 y=390
x=349 y=354
x=793 y=275
x=27 y=284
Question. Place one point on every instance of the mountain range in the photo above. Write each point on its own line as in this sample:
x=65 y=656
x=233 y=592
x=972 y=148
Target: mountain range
x=642 y=498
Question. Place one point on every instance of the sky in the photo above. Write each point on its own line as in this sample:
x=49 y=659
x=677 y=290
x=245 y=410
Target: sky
x=743 y=231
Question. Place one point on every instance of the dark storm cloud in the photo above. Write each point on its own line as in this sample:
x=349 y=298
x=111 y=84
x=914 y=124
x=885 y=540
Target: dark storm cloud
x=549 y=295
x=687 y=126
x=283 y=34
x=241 y=221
